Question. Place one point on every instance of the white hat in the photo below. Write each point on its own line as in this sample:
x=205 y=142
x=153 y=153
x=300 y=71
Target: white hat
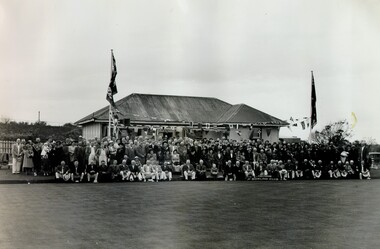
x=344 y=153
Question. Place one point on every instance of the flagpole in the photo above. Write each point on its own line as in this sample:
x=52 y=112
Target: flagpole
x=311 y=107
x=110 y=109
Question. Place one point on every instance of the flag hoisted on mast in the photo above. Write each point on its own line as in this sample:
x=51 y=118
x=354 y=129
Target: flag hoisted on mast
x=112 y=90
x=313 y=116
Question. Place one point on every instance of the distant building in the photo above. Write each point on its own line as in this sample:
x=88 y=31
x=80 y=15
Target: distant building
x=183 y=116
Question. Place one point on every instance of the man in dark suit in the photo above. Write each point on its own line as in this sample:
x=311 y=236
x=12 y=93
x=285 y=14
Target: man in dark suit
x=104 y=172
x=92 y=172
x=80 y=153
x=140 y=151
x=201 y=170
x=228 y=171
x=230 y=156
x=76 y=172
x=364 y=154
x=219 y=160
x=130 y=151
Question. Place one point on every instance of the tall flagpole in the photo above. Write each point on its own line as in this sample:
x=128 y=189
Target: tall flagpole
x=110 y=110
x=311 y=106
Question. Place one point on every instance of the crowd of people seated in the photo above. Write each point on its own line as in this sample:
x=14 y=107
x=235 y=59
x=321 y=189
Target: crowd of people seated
x=142 y=159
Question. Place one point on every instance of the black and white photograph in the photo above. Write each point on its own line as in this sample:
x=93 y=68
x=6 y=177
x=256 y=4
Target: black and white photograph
x=189 y=124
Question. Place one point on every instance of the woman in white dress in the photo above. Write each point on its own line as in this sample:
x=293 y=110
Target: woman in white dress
x=92 y=156
x=102 y=153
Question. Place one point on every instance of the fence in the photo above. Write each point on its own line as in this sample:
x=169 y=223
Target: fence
x=6 y=147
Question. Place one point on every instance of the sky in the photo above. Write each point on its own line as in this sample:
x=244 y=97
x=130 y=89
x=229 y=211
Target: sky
x=55 y=56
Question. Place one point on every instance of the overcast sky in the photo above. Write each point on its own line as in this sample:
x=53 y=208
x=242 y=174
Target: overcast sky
x=55 y=56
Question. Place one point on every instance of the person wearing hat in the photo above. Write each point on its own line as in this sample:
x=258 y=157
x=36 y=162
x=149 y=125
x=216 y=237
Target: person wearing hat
x=343 y=156
x=45 y=153
x=37 y=149
x=28 y=155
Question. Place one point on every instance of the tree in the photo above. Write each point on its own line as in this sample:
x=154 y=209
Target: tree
x=40 y=123
x=370 y=140
x=5 y=120
x=70 y=125
x=338 y=133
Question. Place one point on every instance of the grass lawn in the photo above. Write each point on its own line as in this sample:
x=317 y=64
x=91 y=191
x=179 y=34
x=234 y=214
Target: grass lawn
x=292 y=214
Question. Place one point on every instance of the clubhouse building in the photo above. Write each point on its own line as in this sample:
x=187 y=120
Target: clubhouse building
x=183 y=116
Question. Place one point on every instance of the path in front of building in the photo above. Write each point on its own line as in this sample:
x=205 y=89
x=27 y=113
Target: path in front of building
x=270 y=214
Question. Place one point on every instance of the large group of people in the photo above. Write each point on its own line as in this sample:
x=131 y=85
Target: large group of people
x=146 y=159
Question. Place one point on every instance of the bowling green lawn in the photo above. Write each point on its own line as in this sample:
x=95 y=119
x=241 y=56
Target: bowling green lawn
x=260 y=214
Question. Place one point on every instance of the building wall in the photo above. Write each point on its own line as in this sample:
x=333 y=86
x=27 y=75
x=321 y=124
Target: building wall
x=92 y=130
x=245 y=132
x=240 y=134
x=212 y=134
x=273 y=134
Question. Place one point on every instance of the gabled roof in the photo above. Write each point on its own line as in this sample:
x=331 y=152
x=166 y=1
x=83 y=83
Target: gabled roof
x=154 y=108
x=243 y=113
x=171 y=108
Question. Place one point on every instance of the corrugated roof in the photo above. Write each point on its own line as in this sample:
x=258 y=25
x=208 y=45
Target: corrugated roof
x=149 y=107
x=243 y=113
x=160 y=108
